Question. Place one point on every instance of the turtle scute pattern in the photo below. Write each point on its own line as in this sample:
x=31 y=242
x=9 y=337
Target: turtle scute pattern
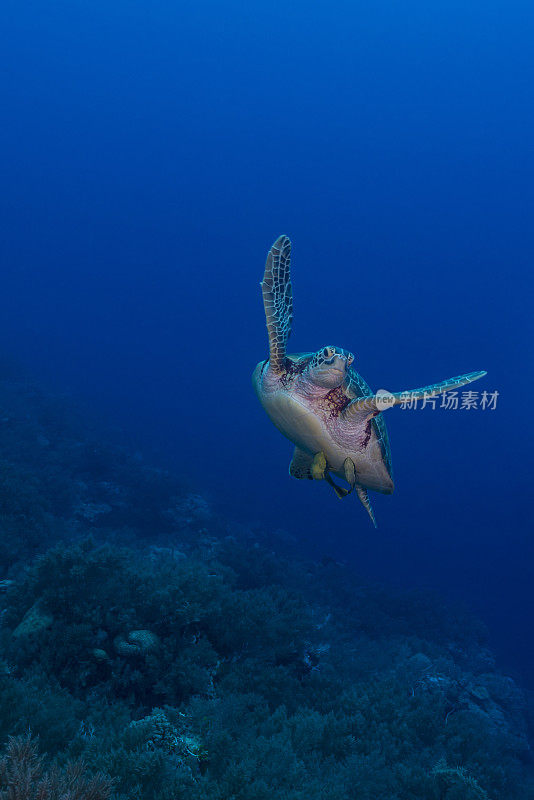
x=278 y=300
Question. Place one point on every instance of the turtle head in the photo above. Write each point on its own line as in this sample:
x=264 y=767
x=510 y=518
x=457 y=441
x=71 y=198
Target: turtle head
x=328 y=367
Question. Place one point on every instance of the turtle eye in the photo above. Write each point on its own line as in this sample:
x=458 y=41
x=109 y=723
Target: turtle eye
x=350 y=359
x=328 y=352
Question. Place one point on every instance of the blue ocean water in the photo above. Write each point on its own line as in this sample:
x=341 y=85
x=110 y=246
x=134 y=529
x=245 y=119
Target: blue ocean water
x=151 y=153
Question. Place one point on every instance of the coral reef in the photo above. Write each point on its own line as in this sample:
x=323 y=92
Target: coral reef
x=180 y=656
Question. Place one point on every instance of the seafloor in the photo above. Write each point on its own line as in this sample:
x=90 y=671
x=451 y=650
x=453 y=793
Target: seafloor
x=148 y=641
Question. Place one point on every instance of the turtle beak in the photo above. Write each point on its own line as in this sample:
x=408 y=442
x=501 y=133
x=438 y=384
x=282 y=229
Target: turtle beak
x=339 y=363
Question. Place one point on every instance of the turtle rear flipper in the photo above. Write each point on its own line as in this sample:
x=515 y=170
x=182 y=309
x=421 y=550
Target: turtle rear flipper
x=350 y=476
x=301 y=464
x=340 y=491
x=304 y=466
x=278 y=301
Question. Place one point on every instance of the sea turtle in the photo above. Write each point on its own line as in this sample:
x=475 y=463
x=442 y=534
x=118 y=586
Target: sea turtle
x=319 y=401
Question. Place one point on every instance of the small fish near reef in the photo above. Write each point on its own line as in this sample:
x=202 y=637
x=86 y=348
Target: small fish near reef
x=321 y=404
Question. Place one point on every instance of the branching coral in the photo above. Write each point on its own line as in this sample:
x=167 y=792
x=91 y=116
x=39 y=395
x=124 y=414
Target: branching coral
x=459 y=777
x=23 y=776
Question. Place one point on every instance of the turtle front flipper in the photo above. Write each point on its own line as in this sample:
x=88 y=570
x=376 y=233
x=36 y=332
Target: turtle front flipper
x=278 y=301
x=365 y=407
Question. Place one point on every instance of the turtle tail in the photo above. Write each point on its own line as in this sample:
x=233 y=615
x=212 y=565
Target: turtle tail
x=364 y=497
